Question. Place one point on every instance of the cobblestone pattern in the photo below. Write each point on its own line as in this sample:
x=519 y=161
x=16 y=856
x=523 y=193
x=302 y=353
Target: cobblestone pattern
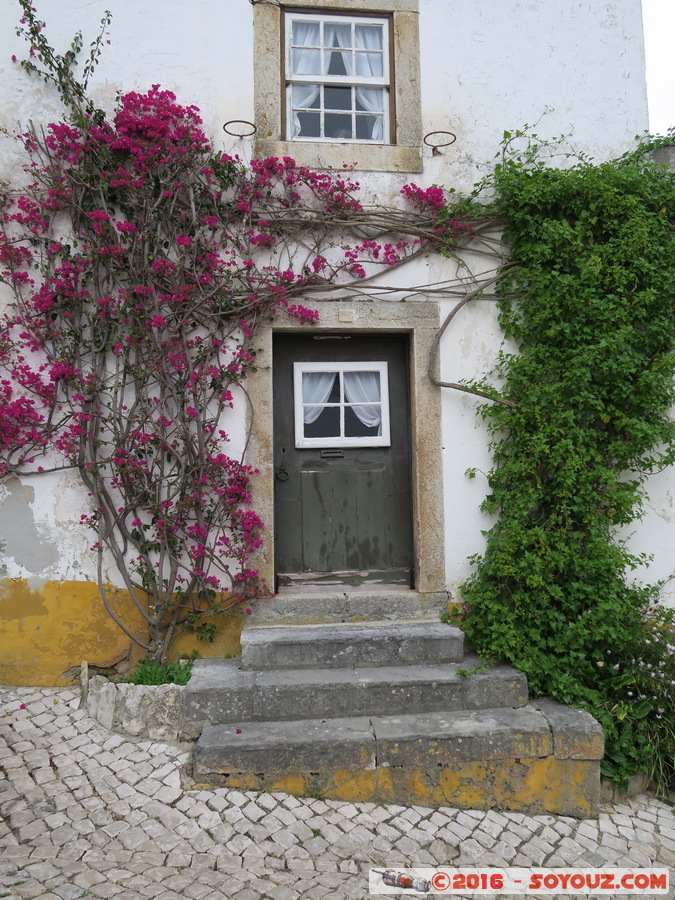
x=88 y=813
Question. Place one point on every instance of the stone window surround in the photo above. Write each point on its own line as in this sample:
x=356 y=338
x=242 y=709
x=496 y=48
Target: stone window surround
x=404 y=155
x=419 y=319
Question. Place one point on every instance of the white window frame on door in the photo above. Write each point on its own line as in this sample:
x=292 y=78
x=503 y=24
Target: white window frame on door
x=380 y=440
x=322 y=81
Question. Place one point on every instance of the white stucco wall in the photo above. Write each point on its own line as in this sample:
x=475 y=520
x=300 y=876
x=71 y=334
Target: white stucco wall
x=486 y=67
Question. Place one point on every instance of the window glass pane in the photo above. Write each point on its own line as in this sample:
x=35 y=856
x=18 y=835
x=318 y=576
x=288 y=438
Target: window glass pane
x=362 y=387
x=310 y=124
x=337 y=97
x=355 y=428
x=369 y=64
x=306 y=96
x=336 y=35
x=337 y=126
x=306 y=62
x=306 y=33
x=370 y=99
x=338 y=62
x=326 y=425
x=341 y=404
x=320 y=387
x=369 y=37
x=368 y=128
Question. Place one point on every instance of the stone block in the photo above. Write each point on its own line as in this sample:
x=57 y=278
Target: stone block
x=84 y=683
x=576 y=734
x=466 y=735
x=380 y=691
x=340 y=606
x=218 y=692
x=137 y=702
x=165 y=715
x=107 y=704
x=350 y=644
x=308 y=746
x=566 y=787
x=501 y=686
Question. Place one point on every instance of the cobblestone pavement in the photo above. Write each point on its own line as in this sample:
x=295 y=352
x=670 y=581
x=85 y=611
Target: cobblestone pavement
x=88 y=813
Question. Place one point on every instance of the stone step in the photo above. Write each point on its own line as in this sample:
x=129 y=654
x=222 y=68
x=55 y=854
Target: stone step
x=534 y=760
x=221 y=691
x=308 y=607
x=350 y=644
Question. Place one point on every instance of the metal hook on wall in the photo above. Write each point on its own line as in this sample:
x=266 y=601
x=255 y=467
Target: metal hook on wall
x=240 y=133
x=435 y=144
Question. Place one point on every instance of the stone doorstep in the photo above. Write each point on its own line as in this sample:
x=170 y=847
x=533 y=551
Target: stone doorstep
x=350 y=644
x=306 y=608
x=220 y=692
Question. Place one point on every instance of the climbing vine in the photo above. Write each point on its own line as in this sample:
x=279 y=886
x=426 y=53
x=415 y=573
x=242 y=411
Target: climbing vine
x=589 y=300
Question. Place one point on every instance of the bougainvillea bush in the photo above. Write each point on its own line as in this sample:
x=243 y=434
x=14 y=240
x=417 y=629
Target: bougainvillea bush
x=141 y=263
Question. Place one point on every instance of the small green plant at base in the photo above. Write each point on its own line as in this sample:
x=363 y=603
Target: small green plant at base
x=149 y=672
x=473 y=670
x=317 y=832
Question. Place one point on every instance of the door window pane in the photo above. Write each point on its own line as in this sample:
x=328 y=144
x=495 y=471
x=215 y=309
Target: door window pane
x=327 y=424
x=306 y=62
x=369 y=64
x=354 y=427
x=369 y=37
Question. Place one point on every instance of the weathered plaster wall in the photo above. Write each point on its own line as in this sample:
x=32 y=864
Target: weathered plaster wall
x=485 y=67
x=46 y=632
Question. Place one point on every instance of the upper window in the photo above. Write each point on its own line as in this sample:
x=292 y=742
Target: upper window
x=338 y=83
x=337 y=75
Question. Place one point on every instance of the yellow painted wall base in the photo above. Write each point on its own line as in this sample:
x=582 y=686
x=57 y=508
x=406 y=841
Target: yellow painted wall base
x=533 y=786
x=45 y=633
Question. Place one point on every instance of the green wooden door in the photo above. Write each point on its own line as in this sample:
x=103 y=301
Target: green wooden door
x=343 y=511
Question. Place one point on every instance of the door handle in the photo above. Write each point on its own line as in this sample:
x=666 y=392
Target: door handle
x=282 y=473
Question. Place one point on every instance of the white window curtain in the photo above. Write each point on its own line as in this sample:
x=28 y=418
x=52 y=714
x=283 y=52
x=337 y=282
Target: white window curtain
x=364 y=387
x=370 y=64
x=316 y=388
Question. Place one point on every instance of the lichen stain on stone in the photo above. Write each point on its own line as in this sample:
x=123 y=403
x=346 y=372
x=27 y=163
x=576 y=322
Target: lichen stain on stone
x=464 y=784
x=23 y=542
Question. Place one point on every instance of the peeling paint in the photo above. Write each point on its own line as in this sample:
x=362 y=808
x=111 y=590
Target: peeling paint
x=23 y=542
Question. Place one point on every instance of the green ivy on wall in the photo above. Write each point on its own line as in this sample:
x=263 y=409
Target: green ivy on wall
x=590 y=306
